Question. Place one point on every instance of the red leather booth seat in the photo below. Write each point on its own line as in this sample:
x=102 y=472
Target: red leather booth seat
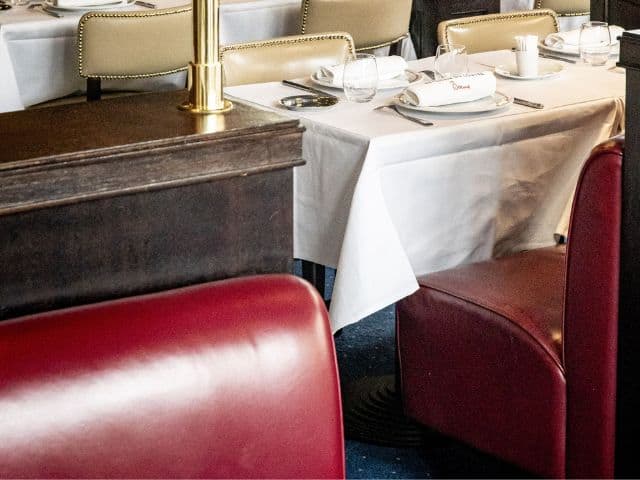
x=517 y=356
x=232 y=379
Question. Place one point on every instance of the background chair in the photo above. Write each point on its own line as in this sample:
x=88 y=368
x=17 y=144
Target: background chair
x=496 y=31
x=372 y=23
x=566 y=8
x=231 y=379
x=135 y=44
x=517 y=356
x=283 y=58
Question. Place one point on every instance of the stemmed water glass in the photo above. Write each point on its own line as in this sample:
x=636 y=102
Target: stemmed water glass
x=451 y=60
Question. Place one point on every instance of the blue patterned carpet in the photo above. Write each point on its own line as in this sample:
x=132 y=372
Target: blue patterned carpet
x=367 y=349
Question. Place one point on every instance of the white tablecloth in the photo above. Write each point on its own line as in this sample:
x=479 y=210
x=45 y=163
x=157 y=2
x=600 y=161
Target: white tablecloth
x=383 y=199
x=38 y=52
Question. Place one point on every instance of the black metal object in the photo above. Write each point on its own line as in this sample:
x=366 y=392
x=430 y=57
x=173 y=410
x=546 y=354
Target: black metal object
x=373 y=413
x=94 y=89
x=314 y=273
x=628 y=390
x=426 y=14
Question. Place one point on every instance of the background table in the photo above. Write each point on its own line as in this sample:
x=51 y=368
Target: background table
x=38 y=59
x=383 y=199
x=38 y=53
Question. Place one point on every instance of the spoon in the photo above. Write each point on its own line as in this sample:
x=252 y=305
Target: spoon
x=424 y=123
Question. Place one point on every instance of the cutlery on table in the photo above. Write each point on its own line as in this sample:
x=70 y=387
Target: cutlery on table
x=429 y=73
x=556 y=57
x=424 y=123
x=145 y=4
x=484 y=64
x=299 y=86
x=527 y=103
x=49 y=12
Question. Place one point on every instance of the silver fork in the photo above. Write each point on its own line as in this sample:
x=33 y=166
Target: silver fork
x=424 y=123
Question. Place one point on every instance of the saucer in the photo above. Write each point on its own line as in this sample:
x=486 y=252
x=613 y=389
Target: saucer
x=546 y=69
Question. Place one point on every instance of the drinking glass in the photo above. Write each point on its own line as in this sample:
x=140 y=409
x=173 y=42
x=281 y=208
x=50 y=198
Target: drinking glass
x=451 y=60
x=595 y=43
x=360 y=77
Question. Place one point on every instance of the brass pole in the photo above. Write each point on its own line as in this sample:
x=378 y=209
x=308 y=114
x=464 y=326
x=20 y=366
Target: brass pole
x=205 y=72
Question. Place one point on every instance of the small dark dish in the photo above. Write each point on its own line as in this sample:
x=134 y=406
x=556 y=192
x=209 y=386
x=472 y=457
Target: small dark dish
x=308 y=102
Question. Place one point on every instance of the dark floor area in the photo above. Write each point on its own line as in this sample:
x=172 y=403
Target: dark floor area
x=366 y=349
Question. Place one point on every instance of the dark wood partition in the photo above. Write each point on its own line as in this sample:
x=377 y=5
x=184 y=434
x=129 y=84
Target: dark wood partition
x=628 y=396
x=131 y=195
x=625 y=13
x=426 y=14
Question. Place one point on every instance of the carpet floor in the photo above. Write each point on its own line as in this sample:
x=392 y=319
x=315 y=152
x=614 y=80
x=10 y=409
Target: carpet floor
x=366 y=349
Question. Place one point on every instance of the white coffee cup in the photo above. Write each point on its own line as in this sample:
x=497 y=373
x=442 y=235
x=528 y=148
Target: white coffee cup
x=527 y=63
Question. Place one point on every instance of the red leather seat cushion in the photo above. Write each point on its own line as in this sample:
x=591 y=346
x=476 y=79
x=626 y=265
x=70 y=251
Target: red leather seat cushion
x=481 y=358
x=230 y=379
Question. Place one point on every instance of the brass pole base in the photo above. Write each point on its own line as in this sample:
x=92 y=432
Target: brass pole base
x=205 y=89
x=189 y=107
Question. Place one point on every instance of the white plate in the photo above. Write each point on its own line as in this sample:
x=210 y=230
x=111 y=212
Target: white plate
x=573 y=50
x=546 y=69
x=487 y=104
x=411 y=76
x=87 y=8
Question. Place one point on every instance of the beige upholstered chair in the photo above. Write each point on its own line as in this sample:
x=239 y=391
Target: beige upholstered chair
x=133 y=44
x=282 y=58
x=566 y=8
x=371 y=23
x=496 y=31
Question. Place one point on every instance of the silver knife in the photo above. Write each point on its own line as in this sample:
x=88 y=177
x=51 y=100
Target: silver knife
x=555 y=57
x=308 y=89
x=49 y=12
x=527 y=103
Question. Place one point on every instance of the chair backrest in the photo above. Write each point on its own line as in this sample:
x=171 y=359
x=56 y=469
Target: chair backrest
x=566 y=8
x=496 y=31
x=135 y=44
x=230 y=379
x=591 y=314
x=283 y=58
x=371 y=23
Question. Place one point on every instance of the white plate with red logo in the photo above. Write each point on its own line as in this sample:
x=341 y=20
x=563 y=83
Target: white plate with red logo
x=491 y=103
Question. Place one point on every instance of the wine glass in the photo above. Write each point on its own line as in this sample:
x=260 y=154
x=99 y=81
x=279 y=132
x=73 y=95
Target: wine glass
x=360 y=77
x=595 y=43
x=451 y=60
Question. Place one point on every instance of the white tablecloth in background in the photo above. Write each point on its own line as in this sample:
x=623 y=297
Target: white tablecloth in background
x=38 y=52
x=383 y=199
x=38 y=59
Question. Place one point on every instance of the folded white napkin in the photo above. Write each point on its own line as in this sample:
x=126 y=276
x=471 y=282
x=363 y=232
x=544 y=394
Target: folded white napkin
x=453 y=90
x=82 y=3
x=388 y=69
x=571 y=38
